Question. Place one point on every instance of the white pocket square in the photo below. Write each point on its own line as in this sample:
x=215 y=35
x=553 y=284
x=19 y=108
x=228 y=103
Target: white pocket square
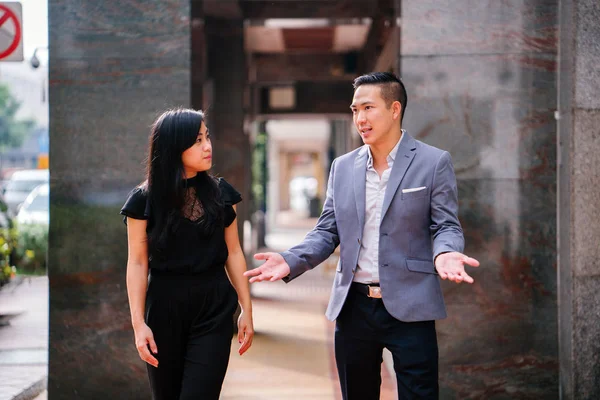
x=413 y=189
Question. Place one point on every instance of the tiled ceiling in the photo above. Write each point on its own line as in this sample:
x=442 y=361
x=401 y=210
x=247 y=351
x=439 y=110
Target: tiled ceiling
x=316 y=39
x=337 y=39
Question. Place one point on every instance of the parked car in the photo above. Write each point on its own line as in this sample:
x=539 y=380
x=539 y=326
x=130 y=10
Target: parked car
x=20 y=184
x=36 y=207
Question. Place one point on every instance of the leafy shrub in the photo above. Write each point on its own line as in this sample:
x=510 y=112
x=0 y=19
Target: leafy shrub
x=7 y=244
x=31 y=248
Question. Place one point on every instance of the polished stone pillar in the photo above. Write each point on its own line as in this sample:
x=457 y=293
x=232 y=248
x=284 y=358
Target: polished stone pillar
x=113 y=69
x=481 y=81
x=226 y=101
x=579 y=199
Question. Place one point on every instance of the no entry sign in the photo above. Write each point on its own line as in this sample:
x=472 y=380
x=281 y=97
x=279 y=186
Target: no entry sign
x=11 y=31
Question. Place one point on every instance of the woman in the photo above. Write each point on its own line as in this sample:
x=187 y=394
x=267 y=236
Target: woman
x=182 y=232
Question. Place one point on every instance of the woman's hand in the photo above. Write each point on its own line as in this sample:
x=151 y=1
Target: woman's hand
x=245 y=331
x=143 y=339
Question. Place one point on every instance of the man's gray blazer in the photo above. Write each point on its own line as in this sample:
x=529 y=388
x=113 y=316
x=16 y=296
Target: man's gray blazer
x=416 y=226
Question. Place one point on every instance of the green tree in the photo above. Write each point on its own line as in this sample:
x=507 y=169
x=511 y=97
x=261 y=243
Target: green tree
x=12 y=130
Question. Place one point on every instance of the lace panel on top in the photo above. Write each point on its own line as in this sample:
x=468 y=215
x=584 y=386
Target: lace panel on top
x=192 y=209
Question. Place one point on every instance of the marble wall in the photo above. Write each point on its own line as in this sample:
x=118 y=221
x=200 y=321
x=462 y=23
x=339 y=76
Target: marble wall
x=579 y=199
x=481 y=82
x=113 y=67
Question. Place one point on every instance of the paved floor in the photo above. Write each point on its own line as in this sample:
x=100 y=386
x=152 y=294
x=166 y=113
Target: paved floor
x=292 y=356
x=24 y=341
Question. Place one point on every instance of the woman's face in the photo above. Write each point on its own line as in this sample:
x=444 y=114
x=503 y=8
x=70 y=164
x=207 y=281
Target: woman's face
x=198 y=158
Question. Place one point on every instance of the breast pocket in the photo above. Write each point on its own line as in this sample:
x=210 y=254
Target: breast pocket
x=415 y=193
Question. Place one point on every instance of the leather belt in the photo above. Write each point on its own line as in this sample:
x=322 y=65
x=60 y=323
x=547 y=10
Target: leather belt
x=370 y=290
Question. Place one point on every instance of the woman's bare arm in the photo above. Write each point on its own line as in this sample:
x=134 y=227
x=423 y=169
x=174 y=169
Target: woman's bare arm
x=236 y=266
x=137 y=283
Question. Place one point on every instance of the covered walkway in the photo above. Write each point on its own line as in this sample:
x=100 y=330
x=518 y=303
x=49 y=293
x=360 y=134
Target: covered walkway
x=292 y=356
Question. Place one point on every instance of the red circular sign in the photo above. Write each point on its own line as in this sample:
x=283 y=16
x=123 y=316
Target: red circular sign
x=10 y=15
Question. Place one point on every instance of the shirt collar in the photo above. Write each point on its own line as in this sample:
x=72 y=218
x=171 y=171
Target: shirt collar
x=391 y=157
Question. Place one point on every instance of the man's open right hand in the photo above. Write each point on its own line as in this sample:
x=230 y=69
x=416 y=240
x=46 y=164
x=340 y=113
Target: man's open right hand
x=272 y=270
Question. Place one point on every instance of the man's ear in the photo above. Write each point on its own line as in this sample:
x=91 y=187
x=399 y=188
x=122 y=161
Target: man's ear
x=396 y=109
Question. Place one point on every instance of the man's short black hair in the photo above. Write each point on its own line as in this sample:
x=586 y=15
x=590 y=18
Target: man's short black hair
x=392 y=88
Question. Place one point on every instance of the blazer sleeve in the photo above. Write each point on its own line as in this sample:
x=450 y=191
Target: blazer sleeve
x=445 y=227
x=320 y=242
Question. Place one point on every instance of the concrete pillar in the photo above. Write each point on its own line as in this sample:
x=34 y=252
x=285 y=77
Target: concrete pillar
x=319 y=174
x=481 y=80
x=284 y=180
x=111 y=73
x=226 y=105
x=579 y=199
x=273 y=178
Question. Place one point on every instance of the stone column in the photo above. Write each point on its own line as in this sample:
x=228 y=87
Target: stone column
x=481 y=82
x=113 y=68
x=284 y=180
x=319 y=173
x=579 y=199
x=226 y=105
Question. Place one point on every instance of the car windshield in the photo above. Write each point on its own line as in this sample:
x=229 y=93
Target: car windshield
x=39 y=203
x=22 y=186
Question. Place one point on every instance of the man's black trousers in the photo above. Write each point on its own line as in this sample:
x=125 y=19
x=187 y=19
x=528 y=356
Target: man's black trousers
x=363 y=329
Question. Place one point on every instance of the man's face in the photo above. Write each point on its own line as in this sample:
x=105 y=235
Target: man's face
x=372 y=117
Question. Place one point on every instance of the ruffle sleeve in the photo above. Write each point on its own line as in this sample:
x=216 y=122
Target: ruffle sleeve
x=135 y=205
x=230 y=197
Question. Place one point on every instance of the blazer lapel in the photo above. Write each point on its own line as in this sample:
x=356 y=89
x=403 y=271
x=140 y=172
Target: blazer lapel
x=404 y=156
x=360 y=178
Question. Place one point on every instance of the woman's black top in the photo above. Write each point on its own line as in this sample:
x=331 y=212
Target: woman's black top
x=188 y=250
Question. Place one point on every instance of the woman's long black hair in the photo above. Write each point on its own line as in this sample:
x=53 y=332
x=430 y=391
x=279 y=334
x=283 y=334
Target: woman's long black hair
x=172 y=133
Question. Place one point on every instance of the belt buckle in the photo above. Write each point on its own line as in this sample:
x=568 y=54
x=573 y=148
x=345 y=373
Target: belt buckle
x=374 y=292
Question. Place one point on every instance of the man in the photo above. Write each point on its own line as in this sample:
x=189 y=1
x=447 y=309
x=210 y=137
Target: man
x=392 y=206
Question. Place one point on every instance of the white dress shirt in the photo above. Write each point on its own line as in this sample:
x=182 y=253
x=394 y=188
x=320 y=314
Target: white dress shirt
x=367 y=270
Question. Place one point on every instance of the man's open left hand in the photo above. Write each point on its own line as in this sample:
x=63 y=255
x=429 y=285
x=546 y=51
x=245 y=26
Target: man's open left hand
x=451 y=266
